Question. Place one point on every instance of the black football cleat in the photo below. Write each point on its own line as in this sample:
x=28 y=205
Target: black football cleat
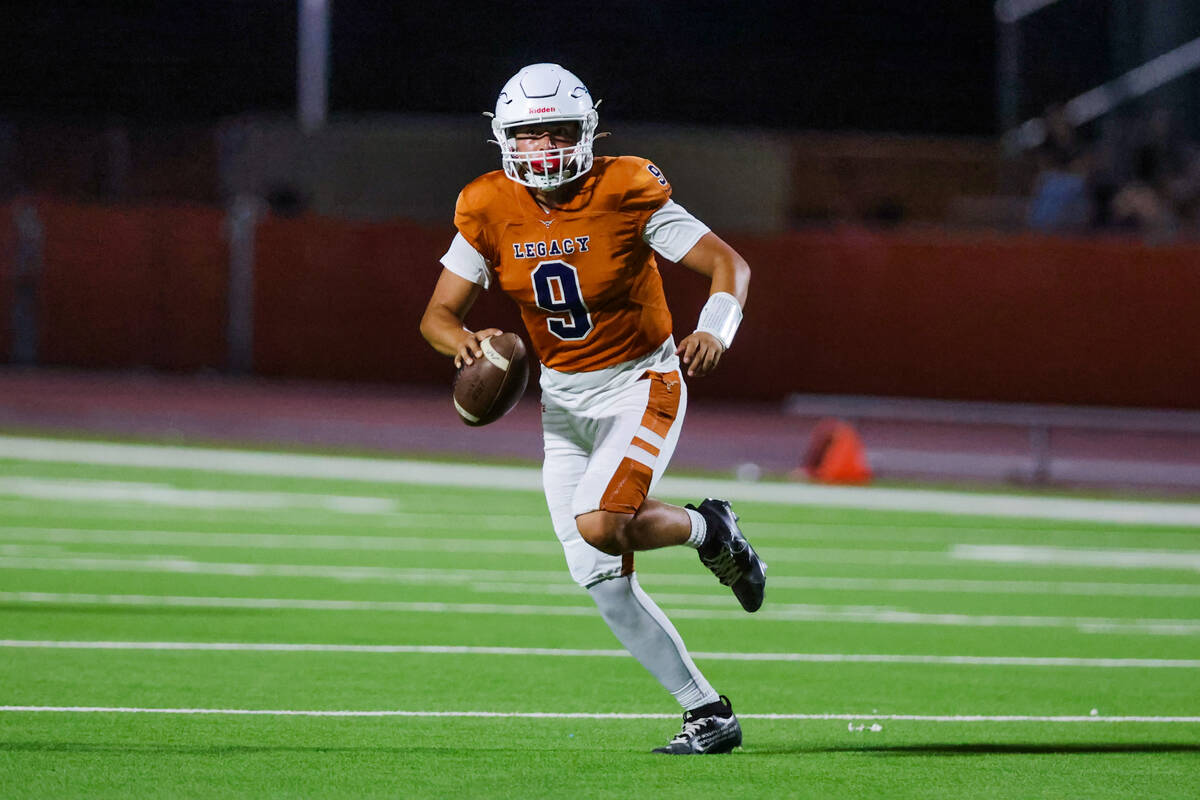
x=719 y=733
x=730 y=556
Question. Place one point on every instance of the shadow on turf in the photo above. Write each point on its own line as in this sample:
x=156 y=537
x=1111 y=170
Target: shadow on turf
x=1015 y=748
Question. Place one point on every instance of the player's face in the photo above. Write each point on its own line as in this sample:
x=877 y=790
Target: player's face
x=546 y=136
x=556 y=136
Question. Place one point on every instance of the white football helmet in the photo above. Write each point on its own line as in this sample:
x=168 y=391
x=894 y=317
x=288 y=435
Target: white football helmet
x=544 y=93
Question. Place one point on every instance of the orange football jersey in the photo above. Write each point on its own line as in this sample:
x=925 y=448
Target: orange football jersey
x=586 y=282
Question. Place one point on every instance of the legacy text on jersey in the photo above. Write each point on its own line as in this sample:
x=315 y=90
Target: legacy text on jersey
x=555 y=247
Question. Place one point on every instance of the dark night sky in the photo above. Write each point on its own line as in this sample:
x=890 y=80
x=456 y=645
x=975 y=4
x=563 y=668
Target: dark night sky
x=918 y=67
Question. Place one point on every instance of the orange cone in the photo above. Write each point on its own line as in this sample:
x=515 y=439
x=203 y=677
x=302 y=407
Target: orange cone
x=836 y=455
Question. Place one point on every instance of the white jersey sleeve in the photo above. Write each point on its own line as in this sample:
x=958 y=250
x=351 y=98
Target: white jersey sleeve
x=466 y=262
x=672 y=231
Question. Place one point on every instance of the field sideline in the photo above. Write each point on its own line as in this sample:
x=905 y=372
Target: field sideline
x=183 y=621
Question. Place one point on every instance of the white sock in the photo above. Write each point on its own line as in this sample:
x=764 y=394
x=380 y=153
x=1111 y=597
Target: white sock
x=650 y=637
x=699 y=529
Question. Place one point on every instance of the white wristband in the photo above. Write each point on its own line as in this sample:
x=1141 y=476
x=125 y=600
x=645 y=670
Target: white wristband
x=721 y=316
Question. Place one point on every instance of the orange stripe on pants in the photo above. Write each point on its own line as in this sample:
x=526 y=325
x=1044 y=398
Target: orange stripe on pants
x=630 y=483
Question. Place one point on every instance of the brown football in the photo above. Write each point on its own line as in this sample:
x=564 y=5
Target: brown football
x=488 y=389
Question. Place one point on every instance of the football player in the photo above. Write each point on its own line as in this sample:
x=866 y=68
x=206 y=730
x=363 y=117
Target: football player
x=572 y=239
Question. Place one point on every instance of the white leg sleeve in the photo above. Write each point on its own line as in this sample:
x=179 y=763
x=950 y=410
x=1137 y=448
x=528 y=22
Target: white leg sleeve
x=650 y=637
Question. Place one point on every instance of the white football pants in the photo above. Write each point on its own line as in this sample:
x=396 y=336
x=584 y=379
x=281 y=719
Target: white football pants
x=606 y=448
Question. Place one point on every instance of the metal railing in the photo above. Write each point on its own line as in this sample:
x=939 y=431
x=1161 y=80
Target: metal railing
x=1039 y=421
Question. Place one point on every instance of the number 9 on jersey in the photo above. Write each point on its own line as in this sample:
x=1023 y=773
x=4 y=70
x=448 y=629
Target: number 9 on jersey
x=556 y=288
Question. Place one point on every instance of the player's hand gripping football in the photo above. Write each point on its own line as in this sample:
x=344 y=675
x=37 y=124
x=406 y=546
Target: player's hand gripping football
x=468 y=346
x=699 y=352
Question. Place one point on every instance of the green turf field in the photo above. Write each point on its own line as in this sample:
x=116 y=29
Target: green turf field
x=224 y=632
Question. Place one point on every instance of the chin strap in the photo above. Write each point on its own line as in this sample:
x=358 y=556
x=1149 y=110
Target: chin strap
x=721 y=316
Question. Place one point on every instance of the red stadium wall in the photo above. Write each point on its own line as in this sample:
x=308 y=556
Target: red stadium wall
x=343 y=301
x=132 y=287
x=850 y=312
x=1025 y=319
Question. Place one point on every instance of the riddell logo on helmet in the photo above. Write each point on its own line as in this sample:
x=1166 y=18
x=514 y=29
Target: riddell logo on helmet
x=543 y=110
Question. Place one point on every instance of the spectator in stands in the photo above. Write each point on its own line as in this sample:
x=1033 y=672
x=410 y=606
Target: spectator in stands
x=1063 y=148
x=1109 y=169
x=1188 y=201
x=1174 y=161
x=1060 y=192
x=1156 y=198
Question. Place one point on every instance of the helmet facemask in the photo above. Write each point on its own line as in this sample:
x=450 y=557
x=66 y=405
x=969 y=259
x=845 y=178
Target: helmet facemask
x=550 y=168
x=544 y=96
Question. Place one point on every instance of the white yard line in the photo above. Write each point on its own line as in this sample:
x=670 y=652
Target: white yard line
x=1040 y=555
x=811 y=658
x=472 y=476
x=288 y=541
x=429 y=544
x=788 y=613
x=291 y=518
x=551 y=582
x=264 y=712
x=16 y=559
x=187 y=566
x=889 y=531
x=1035 y=554
x=165 y=495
